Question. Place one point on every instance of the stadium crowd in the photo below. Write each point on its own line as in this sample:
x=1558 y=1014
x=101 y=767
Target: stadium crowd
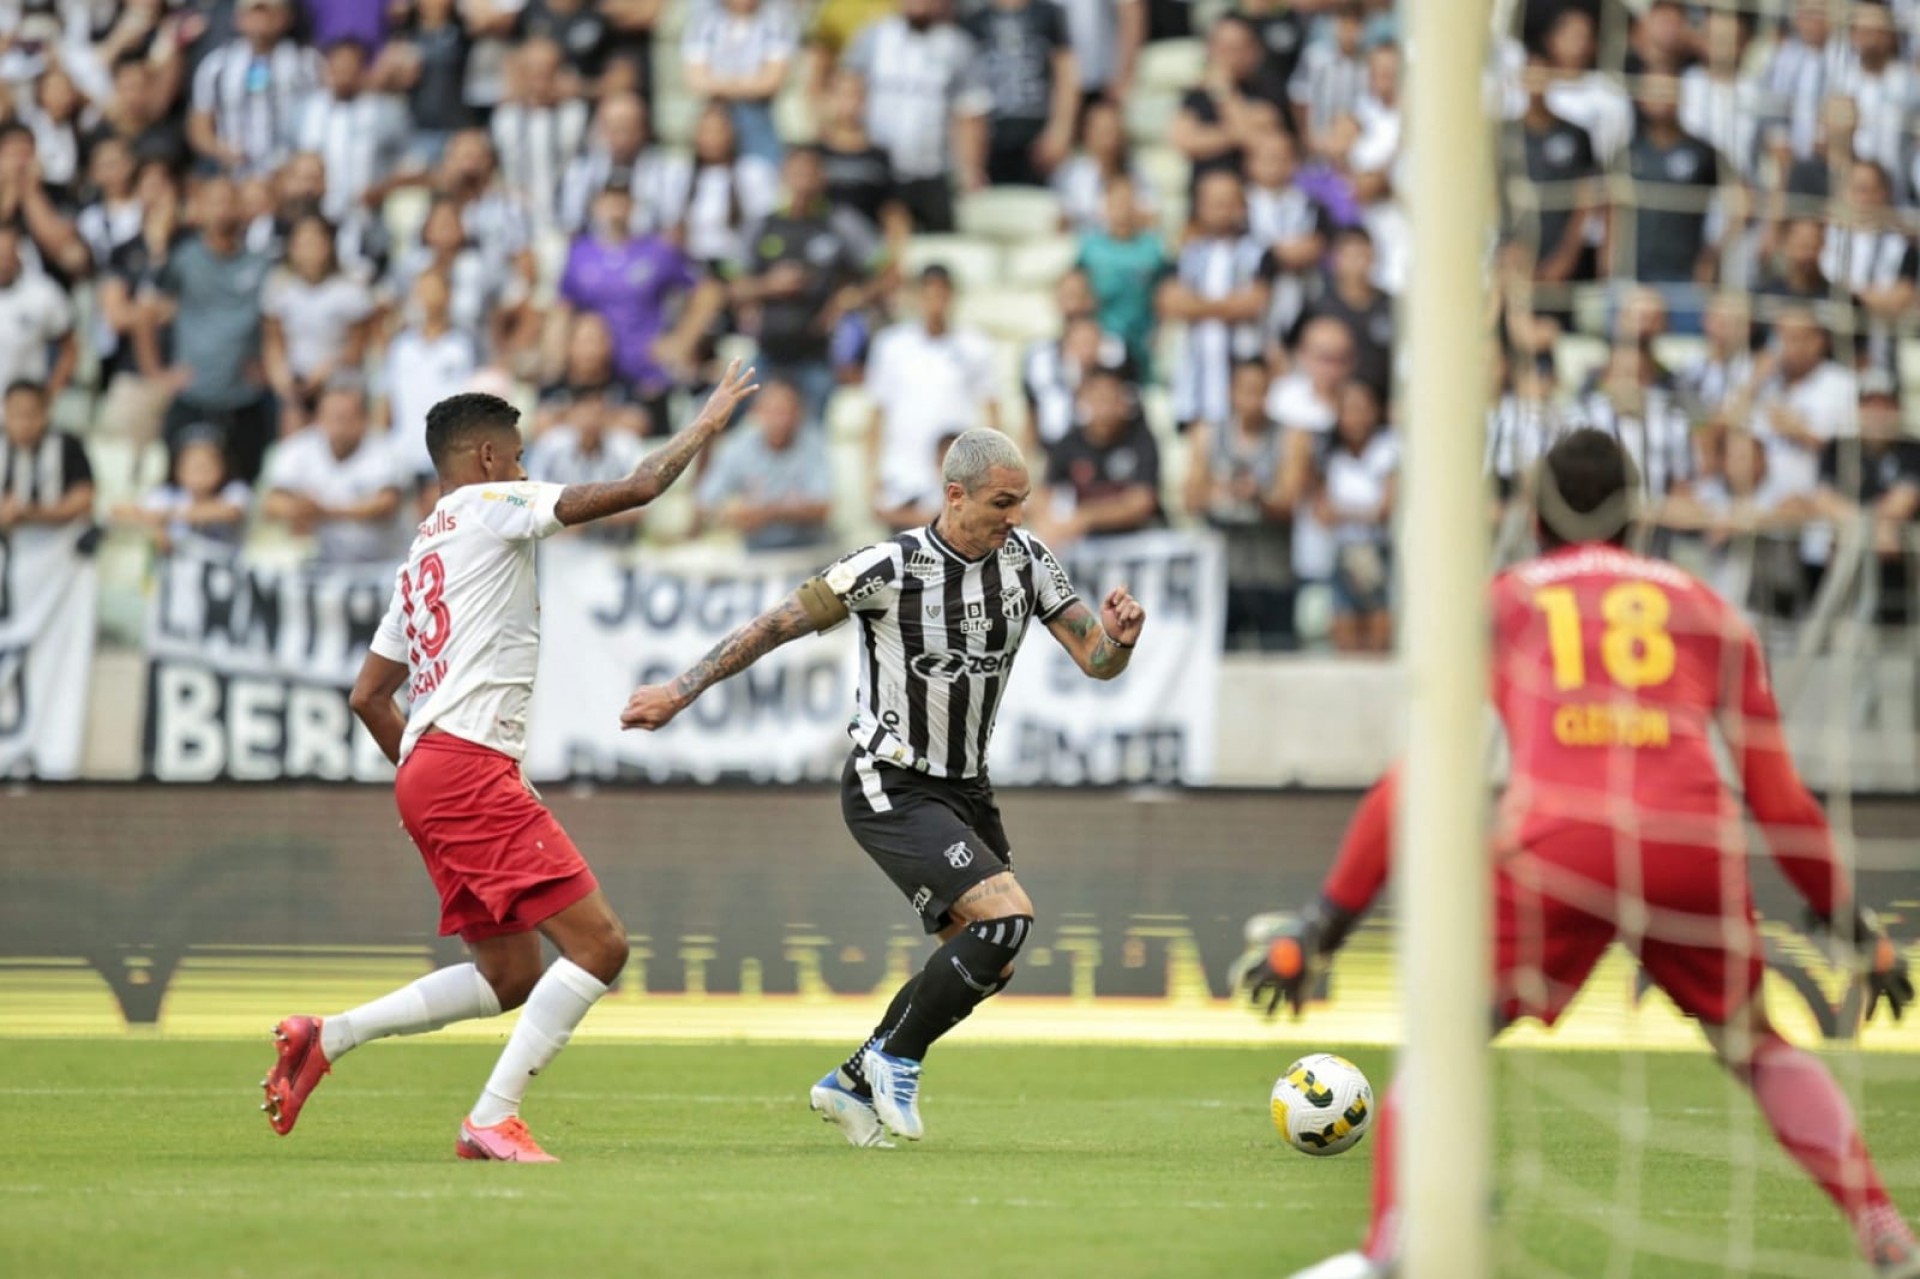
x=245 y=244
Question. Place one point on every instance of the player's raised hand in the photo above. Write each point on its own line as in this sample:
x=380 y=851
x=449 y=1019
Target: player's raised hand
x=735 y=386
x=651 y=706
x=1122 y=616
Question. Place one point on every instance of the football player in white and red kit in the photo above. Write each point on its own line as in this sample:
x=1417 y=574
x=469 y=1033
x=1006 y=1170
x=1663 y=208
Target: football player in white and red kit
x=462 y=637
x=1612 y=673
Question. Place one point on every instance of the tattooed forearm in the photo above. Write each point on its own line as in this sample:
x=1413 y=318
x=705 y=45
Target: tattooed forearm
x=744 y=647
x=1108 y=659
x=583 y=503
x=1099 y=657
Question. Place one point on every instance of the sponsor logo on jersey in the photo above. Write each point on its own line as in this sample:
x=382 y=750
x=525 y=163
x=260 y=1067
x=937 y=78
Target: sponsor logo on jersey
x=946 y=667
x=1013 y=555
x=976 y=621
x=511 y=499
x=921 y=896
x=863 y=589
x=924 y=564
x=960 y=856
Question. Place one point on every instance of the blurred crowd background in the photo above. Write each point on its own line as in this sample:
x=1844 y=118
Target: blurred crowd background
x=245 y=246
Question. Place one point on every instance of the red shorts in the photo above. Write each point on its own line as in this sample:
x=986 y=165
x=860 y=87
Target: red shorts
x=1686 y=911
x=498 y=858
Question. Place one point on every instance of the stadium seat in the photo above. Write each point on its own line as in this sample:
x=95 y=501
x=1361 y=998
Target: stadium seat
x=793 y=116
x=404 y=213
x=973 y=263
x=1010 y=214
x=849 y=413
x=1575 y=357
x=1012 y=315
x=1677 y=351
x=1150 y=116
x=1040 y=263
x=673 y=116
x=1166 y=169
x=550 y=255
x=1171 y=66
x=124 y=469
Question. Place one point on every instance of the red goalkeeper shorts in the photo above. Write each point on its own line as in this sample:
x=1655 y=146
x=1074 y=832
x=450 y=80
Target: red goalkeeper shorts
x=500 y=861
x=1685 y=910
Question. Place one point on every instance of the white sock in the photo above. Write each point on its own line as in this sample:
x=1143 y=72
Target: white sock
x=442 y=996
x=559 y=1000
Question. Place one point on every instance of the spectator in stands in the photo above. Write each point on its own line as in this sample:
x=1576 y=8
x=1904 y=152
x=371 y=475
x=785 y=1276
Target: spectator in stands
x=1123 y=265
x=583 y=34
x=53 y=113
x=49 y=242
x=1522 y=424
x=587 y=448
x=1353 y=497
x=1877 y=476
x=1102 y=162
x=1346 y=293
x=928 y=380
x=618 y=153
x=1734 y=501
x=1795 y=274
x=712 y=200
x=1239 y=100
x=1306 y=405
x=1798 y=73
x=494 y=220
x=1027 y=62
x=804 y=274
x=338 y=483
x=1674 y=179
x=36 y=320
x=1234 y=485
x=1580 y=94
x=1719 y=104
x=428 y=62
x=1103 y=476
x=737 y=53
x=137 y=113
x=926 y=105
x=1283 y=29
x=859 y=173
x=1645 y=417
x=1660 y=40
x=198 y=506
x=587 y=368
x=1052 y=371
x=1220 y=289
x=247 y=94
x=45 y=480
x=1725 y=366
x=538 y=129
x=771 y=481
x=1290 y=223
x=479 y=300
x=1867 y=251
x=836 y=24
x=209 y=289
x=1106 y=37
x=634 y=283
x=1330 y=78
x=114 y=214
x=1803 y=400
x=1882 y=87
x=134 y=404
x=317 y=320
x=428 y=360
x=359 y=133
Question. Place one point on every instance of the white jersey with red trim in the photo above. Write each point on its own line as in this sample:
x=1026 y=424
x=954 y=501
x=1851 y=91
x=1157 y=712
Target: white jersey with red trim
x=465 y=615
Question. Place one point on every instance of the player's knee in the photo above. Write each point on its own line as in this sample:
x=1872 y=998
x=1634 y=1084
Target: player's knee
x=511 y=986
x=603 y=952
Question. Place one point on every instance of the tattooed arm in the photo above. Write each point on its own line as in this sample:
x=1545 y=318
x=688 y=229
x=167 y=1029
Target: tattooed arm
x=582 y=503
x=654 y=705
x=1101 y=646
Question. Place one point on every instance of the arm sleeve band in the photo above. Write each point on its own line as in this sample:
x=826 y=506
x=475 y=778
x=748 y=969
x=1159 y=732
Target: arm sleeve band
x=824 y=609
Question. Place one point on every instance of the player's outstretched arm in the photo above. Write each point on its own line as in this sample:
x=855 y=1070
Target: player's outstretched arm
x=379 y=681
x=654 y=705
x=583 y=503
x=1101 y=646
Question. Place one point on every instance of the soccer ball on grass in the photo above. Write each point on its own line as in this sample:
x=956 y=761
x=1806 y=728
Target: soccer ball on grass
x=1323 y=1105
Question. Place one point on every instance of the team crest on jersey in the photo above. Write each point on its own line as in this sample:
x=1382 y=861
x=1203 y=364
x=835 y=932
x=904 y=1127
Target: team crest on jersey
x=923 y=564
x=1013 y=555
x=1013 y=603
x=960 y=856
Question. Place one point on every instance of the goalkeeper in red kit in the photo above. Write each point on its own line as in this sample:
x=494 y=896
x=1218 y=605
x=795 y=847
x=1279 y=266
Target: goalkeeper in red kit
x=1611 y=673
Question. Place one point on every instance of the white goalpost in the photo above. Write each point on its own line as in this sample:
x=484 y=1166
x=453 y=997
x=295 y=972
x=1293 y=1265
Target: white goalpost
x=1442 y=885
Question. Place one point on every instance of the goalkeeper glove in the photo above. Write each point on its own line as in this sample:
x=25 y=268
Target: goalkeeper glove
x=1288 y=952
x=1882 y=962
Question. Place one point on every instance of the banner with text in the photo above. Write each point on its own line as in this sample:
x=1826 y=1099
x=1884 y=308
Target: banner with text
x=48 y=595
x=249 y=670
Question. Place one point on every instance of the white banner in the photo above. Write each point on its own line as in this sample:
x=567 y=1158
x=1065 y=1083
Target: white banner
x=609 y=622
x=249 y=670
x=1155 y=724
x=48 y=597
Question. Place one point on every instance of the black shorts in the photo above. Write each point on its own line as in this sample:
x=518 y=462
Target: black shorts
x=934 y=837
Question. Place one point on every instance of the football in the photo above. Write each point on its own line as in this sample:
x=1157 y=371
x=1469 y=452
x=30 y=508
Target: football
x=1323 y=1105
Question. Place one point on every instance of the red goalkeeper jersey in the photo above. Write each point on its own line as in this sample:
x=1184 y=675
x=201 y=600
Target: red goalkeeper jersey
x=1611 y=672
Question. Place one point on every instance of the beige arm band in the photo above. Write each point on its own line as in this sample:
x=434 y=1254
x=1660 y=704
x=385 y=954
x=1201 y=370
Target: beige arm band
x=823 y=608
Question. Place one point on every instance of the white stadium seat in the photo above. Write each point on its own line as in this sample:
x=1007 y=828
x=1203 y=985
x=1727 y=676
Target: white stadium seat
x=404 y=213
x=1166 y=169
x=1013 y=315
x=1171 y=66
x=1011 y=214
x=1040 y=263
x=849 y=414
x=974 y=263
x=1150 y=116
x=1575 y=355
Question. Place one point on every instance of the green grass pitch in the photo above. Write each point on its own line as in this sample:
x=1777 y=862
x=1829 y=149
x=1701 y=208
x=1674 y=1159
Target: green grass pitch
x=144 y=1157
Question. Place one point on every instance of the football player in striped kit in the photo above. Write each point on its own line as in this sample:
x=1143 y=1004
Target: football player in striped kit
x=942 y=611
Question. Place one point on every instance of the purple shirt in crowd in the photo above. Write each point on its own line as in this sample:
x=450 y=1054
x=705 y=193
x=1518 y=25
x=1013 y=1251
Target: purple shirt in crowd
x=630 y=285
x=361 y=20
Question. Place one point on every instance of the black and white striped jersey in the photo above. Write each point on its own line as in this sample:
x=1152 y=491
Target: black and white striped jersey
x=938 y=635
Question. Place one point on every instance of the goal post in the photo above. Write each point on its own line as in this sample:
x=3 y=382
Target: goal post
x=1444 y=1117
